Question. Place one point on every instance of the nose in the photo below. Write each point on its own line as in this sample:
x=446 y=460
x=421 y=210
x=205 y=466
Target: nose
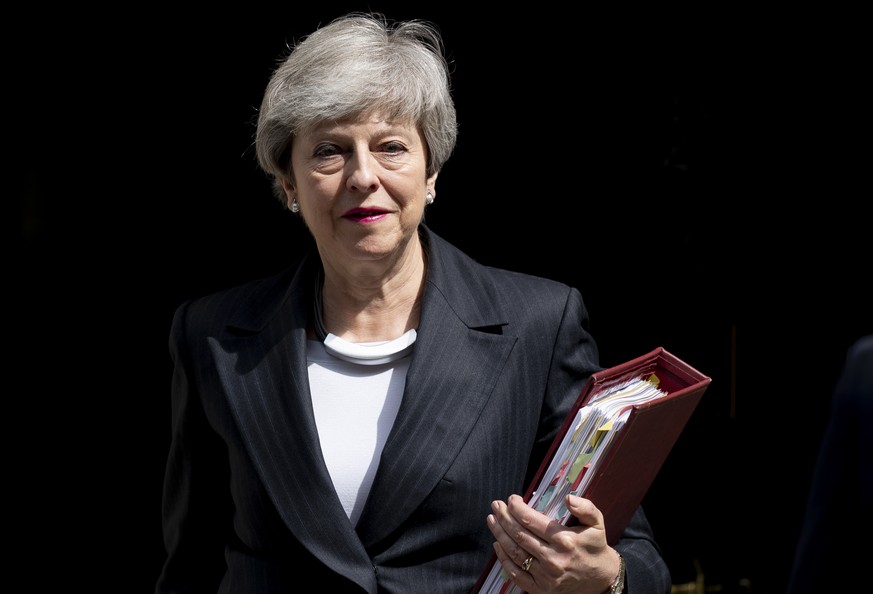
x=362 y=171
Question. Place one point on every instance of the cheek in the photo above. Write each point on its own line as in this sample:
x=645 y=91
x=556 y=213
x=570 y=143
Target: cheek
x=325 y=183
x=317 y=191
x=413 y=210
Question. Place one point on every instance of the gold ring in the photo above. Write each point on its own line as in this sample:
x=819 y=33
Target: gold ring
x=525 y=566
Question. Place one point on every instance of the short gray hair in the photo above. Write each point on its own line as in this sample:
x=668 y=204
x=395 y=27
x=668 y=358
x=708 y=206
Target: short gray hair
x=358 y=64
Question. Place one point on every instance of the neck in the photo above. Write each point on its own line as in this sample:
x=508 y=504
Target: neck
x=372 y=309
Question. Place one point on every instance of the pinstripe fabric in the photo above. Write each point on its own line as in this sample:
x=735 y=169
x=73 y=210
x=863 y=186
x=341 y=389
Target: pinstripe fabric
x=249 y=504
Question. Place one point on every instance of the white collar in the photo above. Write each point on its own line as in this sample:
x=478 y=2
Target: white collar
x=370 y=353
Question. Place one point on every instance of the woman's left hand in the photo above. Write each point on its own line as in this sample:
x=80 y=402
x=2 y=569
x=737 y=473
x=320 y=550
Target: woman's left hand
x=542 y=555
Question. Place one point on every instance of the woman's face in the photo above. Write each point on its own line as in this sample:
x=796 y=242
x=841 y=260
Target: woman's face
x=360 y=186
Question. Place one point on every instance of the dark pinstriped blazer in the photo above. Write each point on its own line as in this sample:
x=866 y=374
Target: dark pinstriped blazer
x=249 y=506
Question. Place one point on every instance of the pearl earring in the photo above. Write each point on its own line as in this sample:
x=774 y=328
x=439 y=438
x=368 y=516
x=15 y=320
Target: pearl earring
x=428 y=198
x=295 y=207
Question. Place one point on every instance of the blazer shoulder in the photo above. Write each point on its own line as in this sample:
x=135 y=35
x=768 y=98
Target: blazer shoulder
x=250 y=305
x=479 y=291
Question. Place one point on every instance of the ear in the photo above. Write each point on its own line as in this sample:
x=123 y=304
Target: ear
x=290 y=192
x=431 y=184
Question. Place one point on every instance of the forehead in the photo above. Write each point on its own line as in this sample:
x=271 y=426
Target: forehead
x=364 y=122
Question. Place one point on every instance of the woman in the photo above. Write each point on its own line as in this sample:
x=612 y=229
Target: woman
x=348 y=425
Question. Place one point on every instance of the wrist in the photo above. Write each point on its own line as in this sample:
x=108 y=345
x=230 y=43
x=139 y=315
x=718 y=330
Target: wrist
x=617 y=586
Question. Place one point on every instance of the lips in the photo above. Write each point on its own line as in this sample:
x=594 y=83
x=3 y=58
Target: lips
x=364 y=214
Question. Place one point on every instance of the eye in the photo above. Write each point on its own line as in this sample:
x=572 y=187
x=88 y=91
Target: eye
x=393 y=148
x=326 y=150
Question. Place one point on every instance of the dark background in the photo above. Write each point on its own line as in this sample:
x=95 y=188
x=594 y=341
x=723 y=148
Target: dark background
x=699 y=176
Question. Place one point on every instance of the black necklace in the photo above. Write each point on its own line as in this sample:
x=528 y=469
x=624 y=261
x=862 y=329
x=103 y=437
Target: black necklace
x=318 y=322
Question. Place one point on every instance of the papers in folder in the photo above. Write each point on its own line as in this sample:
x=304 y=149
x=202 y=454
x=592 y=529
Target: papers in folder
x=581 y=450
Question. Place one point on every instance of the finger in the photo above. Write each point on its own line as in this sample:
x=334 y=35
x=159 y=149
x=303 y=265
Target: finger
x=521 y=574
x=591 y=529
x=507 y=533
x=537 y=525
x=584 y=511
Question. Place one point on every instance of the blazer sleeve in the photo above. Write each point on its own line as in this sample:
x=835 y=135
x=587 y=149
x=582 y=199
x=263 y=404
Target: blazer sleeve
x=647 y=572
x=195 y=483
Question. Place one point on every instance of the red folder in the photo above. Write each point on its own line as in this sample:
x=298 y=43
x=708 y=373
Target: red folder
x=640 y=447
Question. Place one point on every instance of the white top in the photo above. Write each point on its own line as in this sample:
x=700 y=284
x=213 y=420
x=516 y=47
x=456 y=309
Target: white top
x=355 y=406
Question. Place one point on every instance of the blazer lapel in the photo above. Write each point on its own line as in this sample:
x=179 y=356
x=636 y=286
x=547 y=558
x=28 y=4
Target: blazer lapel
x=456 y=362
x=262 y=366
x=453 y=371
